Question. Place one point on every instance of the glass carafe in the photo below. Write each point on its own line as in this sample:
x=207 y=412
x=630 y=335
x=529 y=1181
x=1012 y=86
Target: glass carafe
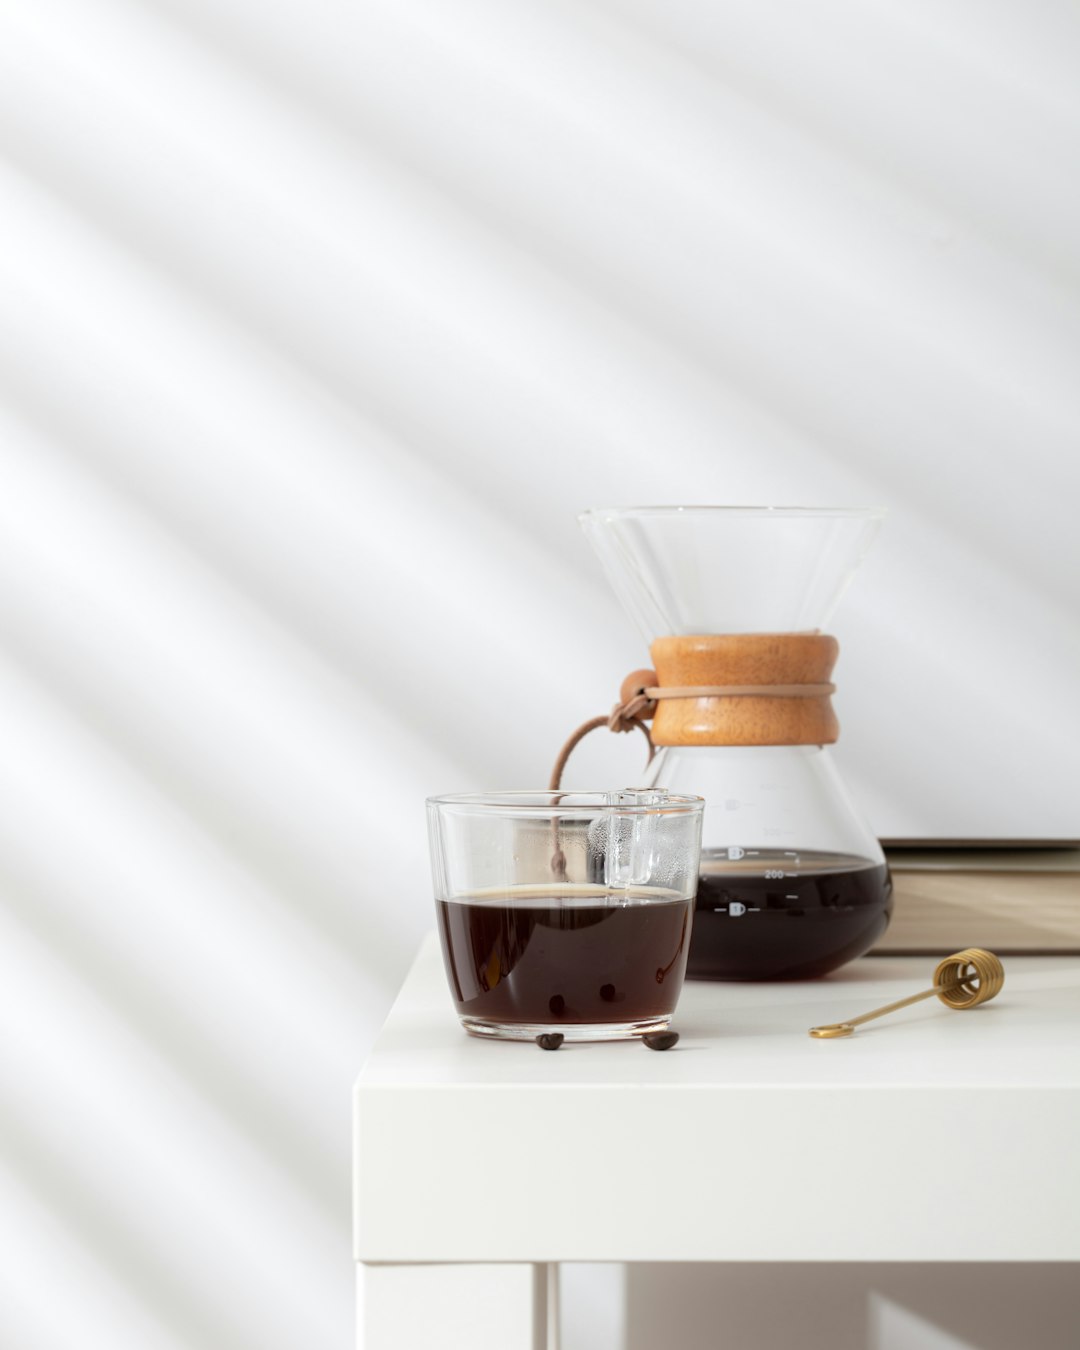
x=793 y=882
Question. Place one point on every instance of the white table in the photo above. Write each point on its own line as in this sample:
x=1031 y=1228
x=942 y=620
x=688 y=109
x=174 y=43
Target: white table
x=932 y=1135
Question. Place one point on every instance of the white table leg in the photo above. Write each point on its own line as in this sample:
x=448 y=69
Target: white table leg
x=457 y=1307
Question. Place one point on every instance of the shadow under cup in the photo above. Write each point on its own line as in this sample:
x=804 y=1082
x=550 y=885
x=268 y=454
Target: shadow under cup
x=565 y=911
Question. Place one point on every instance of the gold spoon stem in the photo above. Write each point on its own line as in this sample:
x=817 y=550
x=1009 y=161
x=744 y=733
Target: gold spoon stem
x=846 y=1028
x=962 y=980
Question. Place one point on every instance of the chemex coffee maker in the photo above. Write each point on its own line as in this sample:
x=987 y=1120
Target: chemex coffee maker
x=732 y=602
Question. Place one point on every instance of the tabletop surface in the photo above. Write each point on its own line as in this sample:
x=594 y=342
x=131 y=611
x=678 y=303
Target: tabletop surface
x=755 y=1035
x=748 y=1141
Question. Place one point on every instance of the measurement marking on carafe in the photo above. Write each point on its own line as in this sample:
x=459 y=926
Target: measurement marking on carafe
x=791 y=897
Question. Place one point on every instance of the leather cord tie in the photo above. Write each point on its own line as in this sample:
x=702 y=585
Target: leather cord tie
x=738 y=691
x=623 y=717
x=638 y=701
x=640 y=706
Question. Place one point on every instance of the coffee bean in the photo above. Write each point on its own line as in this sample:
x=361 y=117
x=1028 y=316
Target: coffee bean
x=607 y=992
x=551 y=1040
x=661 y=1040
x=556 y=1005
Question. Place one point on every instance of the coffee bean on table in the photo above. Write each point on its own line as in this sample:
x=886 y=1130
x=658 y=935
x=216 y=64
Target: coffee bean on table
x=550 y=1040
x=661 y=1040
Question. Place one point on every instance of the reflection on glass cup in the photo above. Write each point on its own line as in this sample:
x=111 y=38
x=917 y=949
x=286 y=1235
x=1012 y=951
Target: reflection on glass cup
x=565 y=911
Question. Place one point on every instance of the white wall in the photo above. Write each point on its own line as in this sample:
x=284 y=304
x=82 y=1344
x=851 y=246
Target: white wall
x=318 y=322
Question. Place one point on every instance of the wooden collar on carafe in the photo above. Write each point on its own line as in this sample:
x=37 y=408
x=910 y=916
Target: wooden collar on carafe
x=739 y=689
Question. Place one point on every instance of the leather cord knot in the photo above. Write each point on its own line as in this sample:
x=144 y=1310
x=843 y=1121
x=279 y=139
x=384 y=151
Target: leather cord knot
x=626 y=716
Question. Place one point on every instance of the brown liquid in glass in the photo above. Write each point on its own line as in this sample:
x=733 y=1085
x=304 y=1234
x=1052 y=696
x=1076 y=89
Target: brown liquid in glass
x=791 y=915
x=566 y=954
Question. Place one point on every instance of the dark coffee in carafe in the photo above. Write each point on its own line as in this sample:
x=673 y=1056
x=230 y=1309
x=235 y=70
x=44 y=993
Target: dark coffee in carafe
x=786 y=914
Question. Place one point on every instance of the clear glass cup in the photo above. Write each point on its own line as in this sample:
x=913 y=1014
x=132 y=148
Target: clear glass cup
x=565 y=911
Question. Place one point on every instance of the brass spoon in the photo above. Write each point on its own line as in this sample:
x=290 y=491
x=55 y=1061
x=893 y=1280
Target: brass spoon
x=962 y=980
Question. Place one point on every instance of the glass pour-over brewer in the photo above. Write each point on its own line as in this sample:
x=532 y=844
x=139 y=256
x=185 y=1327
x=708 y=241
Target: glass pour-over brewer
x=732 y=602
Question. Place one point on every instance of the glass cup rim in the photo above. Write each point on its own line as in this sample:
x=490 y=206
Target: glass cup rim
x=546 y=801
